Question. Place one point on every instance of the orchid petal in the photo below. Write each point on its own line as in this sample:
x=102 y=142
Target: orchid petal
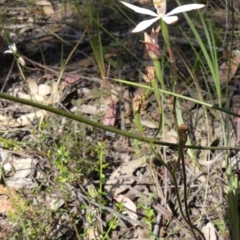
x=139 y=9
x=12 y=49
x=169 y=19
x=8 y=51
x=185 y=8
x=145 y=24
x=147 y=38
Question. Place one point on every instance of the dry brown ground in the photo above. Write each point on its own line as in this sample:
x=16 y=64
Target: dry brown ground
x=62 y=202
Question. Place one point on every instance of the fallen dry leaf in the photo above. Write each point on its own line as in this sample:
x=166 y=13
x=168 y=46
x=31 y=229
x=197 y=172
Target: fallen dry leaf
x=88 y=109
x=234 y=64
x=44 y=90
x=30 y=117
x=18 y=183
x=209 y=231
x=72 y=78
x=23 y=167
x=46 y=6
x=149 y=124
x=86 y=62
x=32 y=85
x=48 y=10
x=122 y=177
x=110 y=116
x=35 y=97
x=7 y=196
x=129 y=206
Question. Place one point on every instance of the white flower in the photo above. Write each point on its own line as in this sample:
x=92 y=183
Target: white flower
x=21 y=61
x=12 y=49
x=168 y=18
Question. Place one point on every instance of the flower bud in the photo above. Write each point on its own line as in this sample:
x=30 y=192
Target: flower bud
x=150 y=42
x=153 y=50
x=21 y=61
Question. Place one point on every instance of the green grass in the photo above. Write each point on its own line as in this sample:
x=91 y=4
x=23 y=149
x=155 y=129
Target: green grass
x=77 y=153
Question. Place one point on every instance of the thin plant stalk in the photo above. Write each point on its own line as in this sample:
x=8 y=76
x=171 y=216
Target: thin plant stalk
x=174 y=68
x=177 y=192
x=159 y=74
x=210 y=106
x=111 y=129
x=180 y=146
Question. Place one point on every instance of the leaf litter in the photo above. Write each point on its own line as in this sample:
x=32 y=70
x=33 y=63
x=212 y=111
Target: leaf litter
x=130 y=179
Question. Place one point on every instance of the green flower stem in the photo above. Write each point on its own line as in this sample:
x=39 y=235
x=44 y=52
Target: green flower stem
x=137 y=119
x=158 y=96
x=209 y=105
x=172 y=60
x=181 y=143
x=111 y=227
x=107 y=128
x=170 y=93
x=165 y=32
x=159 y=75
x=147 y=92
x=156 y=91
x=171 y=55
x=174 y=68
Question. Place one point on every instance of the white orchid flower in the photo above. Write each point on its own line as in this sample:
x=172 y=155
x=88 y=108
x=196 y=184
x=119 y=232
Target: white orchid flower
x=12 y=49
x=168 y=18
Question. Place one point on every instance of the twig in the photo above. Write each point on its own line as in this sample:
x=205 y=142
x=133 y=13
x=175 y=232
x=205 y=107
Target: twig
x=80 y=196
x=157 y=224
x=8 y=75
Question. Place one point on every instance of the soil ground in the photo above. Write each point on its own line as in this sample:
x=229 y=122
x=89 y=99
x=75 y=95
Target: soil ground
x=62 y=179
